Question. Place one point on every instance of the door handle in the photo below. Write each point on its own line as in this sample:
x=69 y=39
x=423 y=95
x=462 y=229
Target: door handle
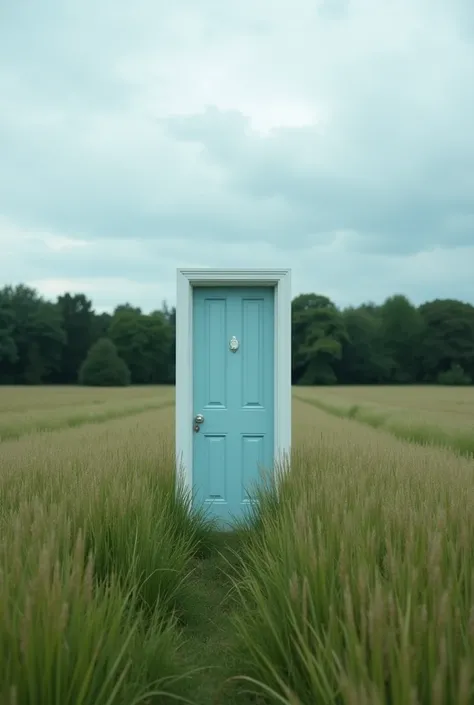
x=199 y=418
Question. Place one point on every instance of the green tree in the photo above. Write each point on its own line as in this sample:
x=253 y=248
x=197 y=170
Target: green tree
x=448 y=338
x=103 y=367
x=78 y=324
x=364 y=357
x=34 y=328
x=317 y=334
x=100 y=326
x=8 y=349
x=454 y=377
x=169 y=314
x=402 y=331
x=144 y=342
x=122 y=308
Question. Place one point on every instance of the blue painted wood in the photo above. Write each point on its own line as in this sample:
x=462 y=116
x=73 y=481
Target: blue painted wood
x=234 y=391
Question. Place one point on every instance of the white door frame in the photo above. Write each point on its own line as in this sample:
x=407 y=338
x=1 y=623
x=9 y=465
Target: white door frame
x=187 y=279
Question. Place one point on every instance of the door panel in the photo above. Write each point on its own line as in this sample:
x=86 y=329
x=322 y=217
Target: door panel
x=214 y=481
x=253 y=361
x=215 y=315
x=253 y=456
x=234 y=391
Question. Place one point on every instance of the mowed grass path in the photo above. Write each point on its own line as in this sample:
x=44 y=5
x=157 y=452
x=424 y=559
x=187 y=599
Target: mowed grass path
x=25 y=410
x=440 y=416
x=355 y=587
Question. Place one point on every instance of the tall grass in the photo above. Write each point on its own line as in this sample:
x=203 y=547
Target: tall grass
x=359 y=589
x=64 y=639
x=147 y=532
x=95 y=554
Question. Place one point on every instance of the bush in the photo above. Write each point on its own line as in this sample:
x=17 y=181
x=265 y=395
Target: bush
x=103 y=367
x=455 y=376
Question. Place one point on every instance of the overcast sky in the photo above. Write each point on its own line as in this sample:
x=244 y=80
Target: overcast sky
x=334 y=137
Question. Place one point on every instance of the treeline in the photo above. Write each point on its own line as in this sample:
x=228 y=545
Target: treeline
x=44 y=342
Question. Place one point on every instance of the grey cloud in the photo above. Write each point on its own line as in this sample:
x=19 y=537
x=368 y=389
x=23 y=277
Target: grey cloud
x=348 y=278
x=401 y=201
x=91 y=149
x=147 y=189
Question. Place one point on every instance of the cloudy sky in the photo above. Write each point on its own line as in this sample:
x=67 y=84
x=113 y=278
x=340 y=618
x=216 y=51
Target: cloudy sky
x=334 y=137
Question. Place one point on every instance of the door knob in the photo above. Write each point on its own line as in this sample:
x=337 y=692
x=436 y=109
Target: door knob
x=199 y=418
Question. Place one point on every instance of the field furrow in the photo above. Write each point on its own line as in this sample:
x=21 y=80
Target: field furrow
x=443 y=423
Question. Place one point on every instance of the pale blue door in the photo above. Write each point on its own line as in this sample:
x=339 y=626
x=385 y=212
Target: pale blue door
x=234 y=393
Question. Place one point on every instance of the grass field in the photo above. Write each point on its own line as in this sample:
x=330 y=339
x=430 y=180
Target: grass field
x=354 y=587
